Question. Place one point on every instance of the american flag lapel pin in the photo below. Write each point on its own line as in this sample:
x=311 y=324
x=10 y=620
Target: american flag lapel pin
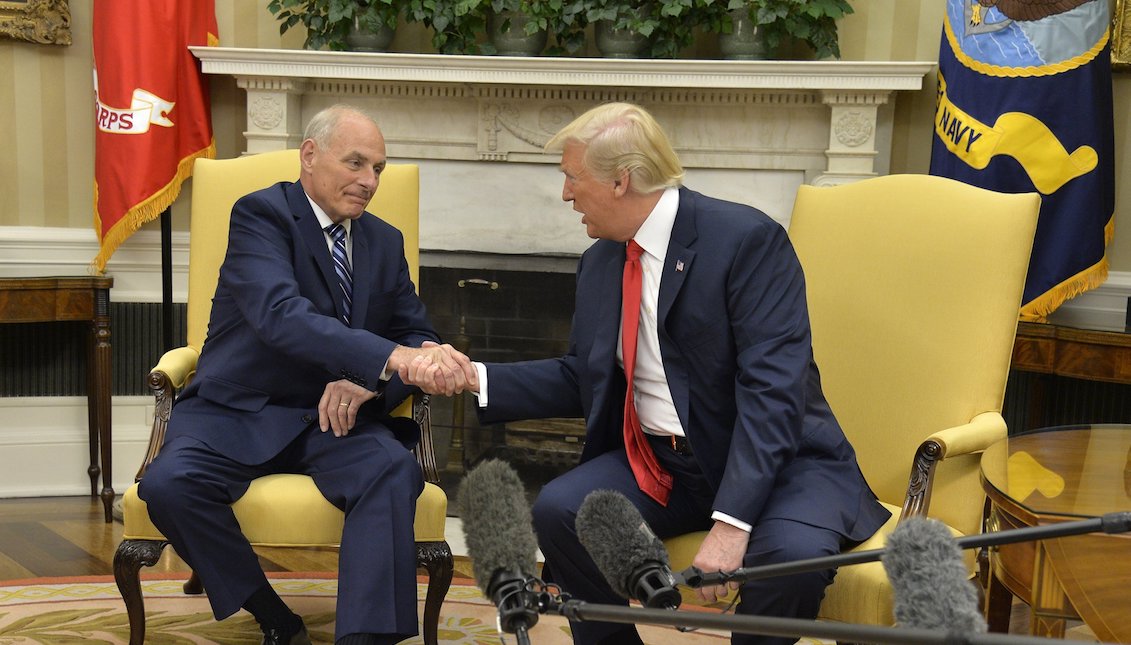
x=679 y=265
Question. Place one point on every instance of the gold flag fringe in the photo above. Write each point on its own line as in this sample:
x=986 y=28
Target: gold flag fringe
x=1038 y=309
x=145 y=211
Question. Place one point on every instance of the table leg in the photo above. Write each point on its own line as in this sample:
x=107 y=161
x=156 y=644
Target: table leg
x=101 y=360
x=94 y=470
x=1050 y=605
x=999 y=605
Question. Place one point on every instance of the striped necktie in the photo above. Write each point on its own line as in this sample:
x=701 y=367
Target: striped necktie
x=342 y=268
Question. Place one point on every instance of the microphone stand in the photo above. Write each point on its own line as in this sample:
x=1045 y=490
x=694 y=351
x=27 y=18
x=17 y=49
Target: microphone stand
x=1110 y=523
x=580 y=610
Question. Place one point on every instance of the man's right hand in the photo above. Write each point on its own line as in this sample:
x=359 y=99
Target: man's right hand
x=435 y=368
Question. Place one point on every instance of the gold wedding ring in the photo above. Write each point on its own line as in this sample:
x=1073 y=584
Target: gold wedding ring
x=343 y=403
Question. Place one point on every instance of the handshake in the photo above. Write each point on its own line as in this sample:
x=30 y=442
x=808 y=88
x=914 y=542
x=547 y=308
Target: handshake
x=435 y=369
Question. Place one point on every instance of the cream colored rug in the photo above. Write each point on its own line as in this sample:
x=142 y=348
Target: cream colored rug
x=89 y=610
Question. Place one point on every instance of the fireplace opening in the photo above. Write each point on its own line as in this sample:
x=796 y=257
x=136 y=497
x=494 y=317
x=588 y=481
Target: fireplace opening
x=500 y=315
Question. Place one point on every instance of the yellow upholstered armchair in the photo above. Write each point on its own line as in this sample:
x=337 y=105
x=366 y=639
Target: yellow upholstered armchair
x=914 y=285
x=217 y=184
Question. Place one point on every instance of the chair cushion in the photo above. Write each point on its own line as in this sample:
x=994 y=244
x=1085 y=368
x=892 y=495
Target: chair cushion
x=290 y=496
x=860 y=593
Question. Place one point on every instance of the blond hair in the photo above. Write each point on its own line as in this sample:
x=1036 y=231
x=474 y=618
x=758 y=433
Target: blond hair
x=620 y=138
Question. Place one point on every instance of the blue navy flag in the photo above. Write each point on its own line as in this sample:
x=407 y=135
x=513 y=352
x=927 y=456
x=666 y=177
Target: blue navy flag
x=1024 y=105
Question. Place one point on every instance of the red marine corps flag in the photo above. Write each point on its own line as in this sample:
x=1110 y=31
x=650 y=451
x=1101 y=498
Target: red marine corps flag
x=151 y=110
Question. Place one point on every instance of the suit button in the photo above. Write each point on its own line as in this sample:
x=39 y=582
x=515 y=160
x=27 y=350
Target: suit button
x=306 y=418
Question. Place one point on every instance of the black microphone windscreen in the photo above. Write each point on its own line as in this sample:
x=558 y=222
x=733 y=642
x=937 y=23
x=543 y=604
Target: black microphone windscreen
x=497 y=525
x=930 y=582
x=617 y=538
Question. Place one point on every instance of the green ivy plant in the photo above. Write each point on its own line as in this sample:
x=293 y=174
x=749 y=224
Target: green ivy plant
x=328 y=22
x=812 y=22
x=456 y=24
x=565 y=20
x=669 y=25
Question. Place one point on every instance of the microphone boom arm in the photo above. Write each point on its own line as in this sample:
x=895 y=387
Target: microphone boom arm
x=579 y=610
x=1110 y=523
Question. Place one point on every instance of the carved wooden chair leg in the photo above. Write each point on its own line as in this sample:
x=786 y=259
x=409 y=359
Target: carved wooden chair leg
x=436 y=558
x=128 y=561
x=192 y=586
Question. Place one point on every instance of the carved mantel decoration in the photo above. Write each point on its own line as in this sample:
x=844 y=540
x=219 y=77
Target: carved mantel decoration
x=39 y=21
x=819 y=122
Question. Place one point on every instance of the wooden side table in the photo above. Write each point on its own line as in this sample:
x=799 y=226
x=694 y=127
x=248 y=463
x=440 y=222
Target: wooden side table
x=1049 y=351
x=30 y=300
x=1048 y=476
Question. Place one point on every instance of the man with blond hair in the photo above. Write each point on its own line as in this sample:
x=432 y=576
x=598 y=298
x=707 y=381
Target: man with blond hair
x=715 y=394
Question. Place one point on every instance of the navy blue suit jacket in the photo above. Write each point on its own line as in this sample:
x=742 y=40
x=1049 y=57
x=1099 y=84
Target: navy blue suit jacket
x=735 y=341
x=275 y=338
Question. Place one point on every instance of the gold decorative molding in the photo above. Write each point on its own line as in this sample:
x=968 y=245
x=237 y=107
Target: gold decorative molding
x=46 y=22
x=1121 y=37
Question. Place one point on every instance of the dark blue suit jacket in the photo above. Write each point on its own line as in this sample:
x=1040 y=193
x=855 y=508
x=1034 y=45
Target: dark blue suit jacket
x=275 y=338
x=735 y=342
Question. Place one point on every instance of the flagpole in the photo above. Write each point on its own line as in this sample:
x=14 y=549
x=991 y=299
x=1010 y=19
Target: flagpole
x=167 y=279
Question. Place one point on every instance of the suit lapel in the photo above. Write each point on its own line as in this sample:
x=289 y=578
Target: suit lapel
x=680 y=255
x=677 y=265
x=603 y=355
x=363 y=269
x=315 y=239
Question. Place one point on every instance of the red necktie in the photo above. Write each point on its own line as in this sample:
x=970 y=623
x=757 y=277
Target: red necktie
x=653 y=480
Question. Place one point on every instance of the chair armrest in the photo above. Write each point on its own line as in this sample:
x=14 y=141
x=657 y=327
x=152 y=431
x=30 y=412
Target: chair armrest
x=966 y=439
x=426 y=449
x=170 y=374
x=982 y=431
x=176 y=367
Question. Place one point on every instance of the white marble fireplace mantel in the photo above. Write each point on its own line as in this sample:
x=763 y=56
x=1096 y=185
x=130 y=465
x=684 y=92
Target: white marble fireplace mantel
x=750 y=131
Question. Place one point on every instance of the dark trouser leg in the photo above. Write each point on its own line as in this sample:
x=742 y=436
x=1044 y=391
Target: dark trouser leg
x=189 y=490
x=566 y=559
x=375 y=481
x=797 y=596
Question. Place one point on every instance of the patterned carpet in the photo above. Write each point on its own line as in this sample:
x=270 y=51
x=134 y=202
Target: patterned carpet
x=89 y=610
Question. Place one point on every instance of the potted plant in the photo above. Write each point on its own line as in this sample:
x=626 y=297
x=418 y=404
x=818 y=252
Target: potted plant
x=333 y=24
x=781 y=22
x=511 y=31
x=565 y=19
x=538 y=18
x=456 y=24
x=663 y=28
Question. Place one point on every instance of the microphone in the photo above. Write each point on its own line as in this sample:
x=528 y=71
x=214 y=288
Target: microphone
x=631 y=557
x=928 y=577
x=499 y=533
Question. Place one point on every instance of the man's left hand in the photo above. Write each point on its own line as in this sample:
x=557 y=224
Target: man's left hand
x=338 y=408
x=722 y=550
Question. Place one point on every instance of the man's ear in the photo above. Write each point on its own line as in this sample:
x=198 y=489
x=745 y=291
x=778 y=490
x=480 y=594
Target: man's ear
x=306 y=154
x=621 y=184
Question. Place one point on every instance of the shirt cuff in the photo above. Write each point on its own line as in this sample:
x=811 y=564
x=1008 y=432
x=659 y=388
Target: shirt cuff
x=481 y=370
x=736 y=523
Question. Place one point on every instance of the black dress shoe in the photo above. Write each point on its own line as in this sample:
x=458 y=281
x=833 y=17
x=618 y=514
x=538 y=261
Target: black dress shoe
x=276 y=637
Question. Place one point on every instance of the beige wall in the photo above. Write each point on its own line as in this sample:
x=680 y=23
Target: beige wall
x=46 y=101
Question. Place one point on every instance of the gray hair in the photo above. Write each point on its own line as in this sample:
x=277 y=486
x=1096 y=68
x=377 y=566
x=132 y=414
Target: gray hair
x=326 y=121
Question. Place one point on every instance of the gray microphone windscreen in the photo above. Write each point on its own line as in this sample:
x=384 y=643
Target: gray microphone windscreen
x=617 y=538
x=497 y=525
x=930 y=581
